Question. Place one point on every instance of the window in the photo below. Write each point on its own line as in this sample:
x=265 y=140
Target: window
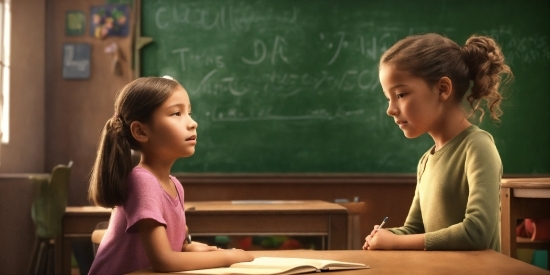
x=5 y=35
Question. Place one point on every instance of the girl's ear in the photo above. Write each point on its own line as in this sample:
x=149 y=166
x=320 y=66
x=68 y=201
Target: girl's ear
x=445 y=88
x=139 y=131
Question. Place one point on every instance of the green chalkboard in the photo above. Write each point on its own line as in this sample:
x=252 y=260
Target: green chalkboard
x=291 y=86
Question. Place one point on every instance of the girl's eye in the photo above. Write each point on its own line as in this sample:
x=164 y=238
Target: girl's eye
x=190 y=113
x=177 y=114
x=400 y=95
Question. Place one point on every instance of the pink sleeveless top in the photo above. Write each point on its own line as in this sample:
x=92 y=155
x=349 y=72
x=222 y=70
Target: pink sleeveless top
x=121 y=250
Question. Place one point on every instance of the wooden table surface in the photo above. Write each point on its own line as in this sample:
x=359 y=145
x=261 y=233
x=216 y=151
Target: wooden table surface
x=412 y=262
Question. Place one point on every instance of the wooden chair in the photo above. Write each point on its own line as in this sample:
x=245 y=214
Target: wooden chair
x=355 y=211
x=522 y=198
x=46 y=212
x=97 y=235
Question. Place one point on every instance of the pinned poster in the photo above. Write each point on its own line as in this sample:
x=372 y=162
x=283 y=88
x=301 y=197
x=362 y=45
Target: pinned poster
x=109 y=20
x=75 y=23
x=76 y=60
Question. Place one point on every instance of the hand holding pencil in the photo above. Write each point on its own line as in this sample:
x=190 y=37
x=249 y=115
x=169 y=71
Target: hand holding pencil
x=382 y=224
x=369 y=237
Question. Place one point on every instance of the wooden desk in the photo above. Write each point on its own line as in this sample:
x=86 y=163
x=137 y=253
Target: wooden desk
x=311 y=218
x=412 y=262
x=245 y=218
x=77 y=222
x=522 y=198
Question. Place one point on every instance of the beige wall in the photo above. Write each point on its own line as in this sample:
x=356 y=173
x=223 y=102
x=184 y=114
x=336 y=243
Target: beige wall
x=17 y=229
x=25 y=151
x=76 y=110
x=52 y=120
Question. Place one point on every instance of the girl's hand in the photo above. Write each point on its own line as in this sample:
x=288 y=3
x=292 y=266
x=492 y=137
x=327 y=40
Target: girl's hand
x=369 y=238
x=379 y=239
x=199 y=247
x=239 y=255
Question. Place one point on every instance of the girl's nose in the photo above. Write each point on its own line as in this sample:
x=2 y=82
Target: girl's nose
x=193 y=124
x=392 y=110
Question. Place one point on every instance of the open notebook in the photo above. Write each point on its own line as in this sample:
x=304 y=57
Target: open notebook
x=279 y=266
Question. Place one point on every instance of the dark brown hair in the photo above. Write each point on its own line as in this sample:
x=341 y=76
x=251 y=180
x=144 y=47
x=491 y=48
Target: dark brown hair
x=433 y=56
x=135 y=102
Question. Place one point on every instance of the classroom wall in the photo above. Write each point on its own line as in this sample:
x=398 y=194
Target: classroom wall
x=52 y=120
x=25 y=151
x=78 y=109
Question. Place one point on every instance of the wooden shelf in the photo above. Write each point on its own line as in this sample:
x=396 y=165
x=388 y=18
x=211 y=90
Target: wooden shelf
x=529 y=244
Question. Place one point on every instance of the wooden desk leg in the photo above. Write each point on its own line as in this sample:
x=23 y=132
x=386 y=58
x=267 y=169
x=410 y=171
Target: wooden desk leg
x=338 y=235
x=67 y=252
x=62 y=253
x=508 y=220
x=58 y=252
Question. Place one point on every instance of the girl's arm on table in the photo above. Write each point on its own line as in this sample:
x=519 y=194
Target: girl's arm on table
x=384 y=239
x=163 y=259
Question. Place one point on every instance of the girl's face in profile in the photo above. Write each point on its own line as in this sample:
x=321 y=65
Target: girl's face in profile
x=412 y=103
x=174 y=132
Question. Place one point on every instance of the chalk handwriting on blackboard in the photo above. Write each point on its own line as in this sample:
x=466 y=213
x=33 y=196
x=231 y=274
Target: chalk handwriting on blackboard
x=234 y=18
x=201 y=59
x=260 y=51
x=519 y=48
x=287 y=84
x=267 y=113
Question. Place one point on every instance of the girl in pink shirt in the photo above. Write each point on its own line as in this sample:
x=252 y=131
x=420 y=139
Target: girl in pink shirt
x=147 y=227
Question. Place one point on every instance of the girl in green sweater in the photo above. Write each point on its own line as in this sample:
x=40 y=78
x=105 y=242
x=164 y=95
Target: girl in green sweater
x=426 y=78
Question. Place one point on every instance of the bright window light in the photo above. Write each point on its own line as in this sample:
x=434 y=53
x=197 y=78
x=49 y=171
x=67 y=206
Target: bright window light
x=5 y=37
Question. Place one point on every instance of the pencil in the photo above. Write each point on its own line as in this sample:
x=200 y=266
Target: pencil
x=383 y=222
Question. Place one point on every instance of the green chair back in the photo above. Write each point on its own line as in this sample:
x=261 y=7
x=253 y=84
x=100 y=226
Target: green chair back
x=50 y=201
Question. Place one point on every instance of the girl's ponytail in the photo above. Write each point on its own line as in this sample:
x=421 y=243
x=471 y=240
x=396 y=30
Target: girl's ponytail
x=486 y=65
x=112 y=165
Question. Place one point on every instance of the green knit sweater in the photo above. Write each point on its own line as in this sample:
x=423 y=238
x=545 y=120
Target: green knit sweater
x=456 y=202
